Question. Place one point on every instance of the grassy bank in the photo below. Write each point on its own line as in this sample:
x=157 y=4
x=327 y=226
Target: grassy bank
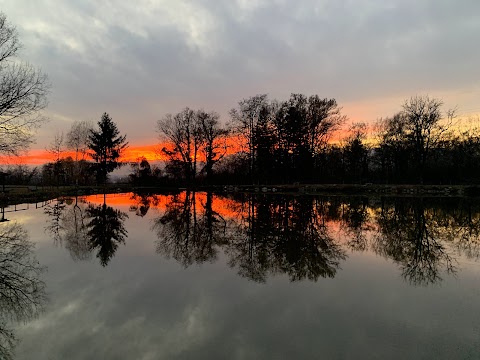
x=33 y=194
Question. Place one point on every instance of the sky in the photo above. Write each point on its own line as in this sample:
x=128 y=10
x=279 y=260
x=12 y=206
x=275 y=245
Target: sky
x=139 y=60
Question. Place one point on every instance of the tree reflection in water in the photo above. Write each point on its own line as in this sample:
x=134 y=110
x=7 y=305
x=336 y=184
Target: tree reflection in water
x=54 y=226
x=409 y=235
x=76 y=235
x=357 y=223
x=105 y=230
x=293 y=235
x=83 y=228
x=267 y=236
x=283 y=235
x=67 y=226
x=142 y=202
x=22 y=292
x=190 y=231
x=303 y=237
x=461 y=227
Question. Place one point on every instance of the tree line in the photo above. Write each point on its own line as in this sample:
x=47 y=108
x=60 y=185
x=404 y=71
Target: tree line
x=277 y=142
x=281 y=142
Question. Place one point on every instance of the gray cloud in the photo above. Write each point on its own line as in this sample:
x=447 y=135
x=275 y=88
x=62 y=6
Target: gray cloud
x=140 y=60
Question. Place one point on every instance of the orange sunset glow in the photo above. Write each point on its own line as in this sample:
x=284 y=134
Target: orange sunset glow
x=132 y=153
x=234 y=144
x=151 y=152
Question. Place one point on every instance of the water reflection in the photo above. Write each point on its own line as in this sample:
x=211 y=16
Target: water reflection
x=54 y=226
x=357 y=223
x=66 y=223
x=301 y=236
x=75 y=233
x=141 y=202
x=83 y=228
x=364 y=244
x=22 y=292
x=283 y=235
x=105 y=231
x=409 y=234
x=189 y=230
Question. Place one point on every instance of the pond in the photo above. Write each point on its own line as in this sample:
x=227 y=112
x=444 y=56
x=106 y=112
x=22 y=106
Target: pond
x=245 y=276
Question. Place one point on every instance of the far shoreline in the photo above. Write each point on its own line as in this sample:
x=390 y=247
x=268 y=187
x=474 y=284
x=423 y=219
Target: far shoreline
x=33 y=194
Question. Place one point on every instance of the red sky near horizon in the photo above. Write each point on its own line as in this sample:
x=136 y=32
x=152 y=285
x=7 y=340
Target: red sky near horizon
x=132 y=153
x=152 y=152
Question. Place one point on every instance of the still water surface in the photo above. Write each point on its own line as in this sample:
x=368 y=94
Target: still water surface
x=201 y=276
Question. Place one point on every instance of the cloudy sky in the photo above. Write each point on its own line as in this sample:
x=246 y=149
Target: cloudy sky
x=138 y=60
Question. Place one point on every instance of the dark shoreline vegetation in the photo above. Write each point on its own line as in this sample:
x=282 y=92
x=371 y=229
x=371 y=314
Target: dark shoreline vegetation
x=23 y=194
x=282 y=144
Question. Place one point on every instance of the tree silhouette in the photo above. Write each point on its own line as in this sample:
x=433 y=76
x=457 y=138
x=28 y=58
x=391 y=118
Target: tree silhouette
x=106 y=145
x=250 y=114
x=23 y=93
x=182 y=132
x=356 y=154
x=213 y=141
x=285 y=139
x=409 y=137
x=77 y=139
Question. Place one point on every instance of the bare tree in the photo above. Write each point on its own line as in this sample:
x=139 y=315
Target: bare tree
x=77 y=138
x=415 y=131
x=23 y=92
x=195 y=137
x=180 y=129
x=213 y=140
x=56 y=146
x=423 y=126
x=324 y=118
x=246 y=118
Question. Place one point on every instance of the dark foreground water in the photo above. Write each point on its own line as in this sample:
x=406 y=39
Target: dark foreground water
x=198 y=276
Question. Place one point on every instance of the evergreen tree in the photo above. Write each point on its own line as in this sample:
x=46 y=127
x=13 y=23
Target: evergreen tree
x=106 y=145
